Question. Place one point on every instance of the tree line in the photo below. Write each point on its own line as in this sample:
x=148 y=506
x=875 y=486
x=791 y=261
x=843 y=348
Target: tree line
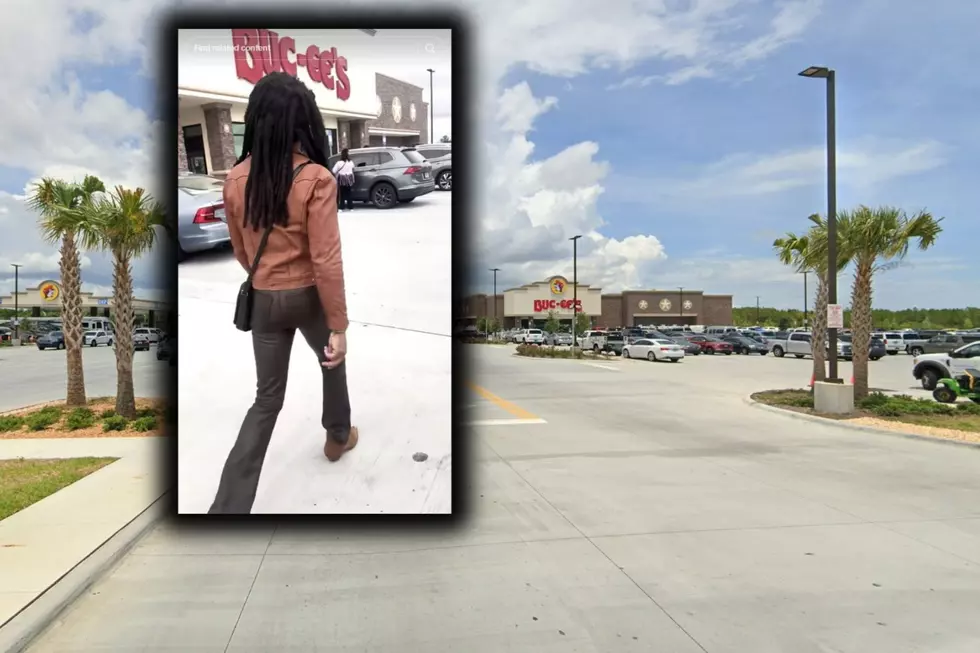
x=909 y=318
x=870 y=239
x=83 y=216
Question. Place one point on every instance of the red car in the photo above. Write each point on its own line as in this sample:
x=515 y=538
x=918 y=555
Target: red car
x=710 y=345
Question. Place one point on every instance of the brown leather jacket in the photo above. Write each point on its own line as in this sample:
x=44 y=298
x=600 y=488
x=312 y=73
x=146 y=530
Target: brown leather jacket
x=306 y=252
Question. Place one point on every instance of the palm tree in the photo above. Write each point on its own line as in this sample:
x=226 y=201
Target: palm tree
x=876 y=240
x=123 y=224
x=58 y=202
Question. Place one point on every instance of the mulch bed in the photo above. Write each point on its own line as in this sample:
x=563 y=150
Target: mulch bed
x=97 y=420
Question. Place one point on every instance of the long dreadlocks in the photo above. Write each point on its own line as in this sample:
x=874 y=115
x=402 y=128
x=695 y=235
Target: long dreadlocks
x=281 y=112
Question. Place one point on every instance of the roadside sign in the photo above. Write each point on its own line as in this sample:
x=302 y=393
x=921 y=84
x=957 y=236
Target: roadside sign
x=835 y=316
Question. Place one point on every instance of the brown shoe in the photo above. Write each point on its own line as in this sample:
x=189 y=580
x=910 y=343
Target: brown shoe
x=333 y=450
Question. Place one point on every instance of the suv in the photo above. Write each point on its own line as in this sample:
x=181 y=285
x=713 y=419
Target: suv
x=530 y=337
x=941 y=343
x=385 y=176
x=440 y=155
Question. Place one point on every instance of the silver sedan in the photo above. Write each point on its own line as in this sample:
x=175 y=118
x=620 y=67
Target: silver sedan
x=200 y=214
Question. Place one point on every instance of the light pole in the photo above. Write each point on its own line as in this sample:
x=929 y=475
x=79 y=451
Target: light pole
x=757 y=311
x=432 y=114
x=806 y=299
x=574 y=240
x=821 y=72
x=16 y=267
x=495 y=271
x=680 y=303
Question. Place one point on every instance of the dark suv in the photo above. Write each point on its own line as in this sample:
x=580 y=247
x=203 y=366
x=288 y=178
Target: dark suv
x=942 y=343
x=440 y=155
x=385 y=176
x=51 y=340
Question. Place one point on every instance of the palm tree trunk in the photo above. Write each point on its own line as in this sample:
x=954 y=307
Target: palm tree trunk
x=818 y=336
x=122 y=295
x=861 y=319
x=71 y=319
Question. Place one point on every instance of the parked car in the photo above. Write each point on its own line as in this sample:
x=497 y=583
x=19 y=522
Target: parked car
x=386 y=176
x=51 y=340
x=894 y=342
x=711 y=345
x=559 y=339
x=911 y=339
x=615 y=341
x=654 y=350
x=690 y=348
x=531 y=337
x=594 y=340
x=200 y=214
x=876 y=349
x=141 y=341
x=942 y=342
x=796 y=343
x=96 y=338
x=152 y=335
x=440 y=155
x=167 y=350
x=929 y=368
x=745 y=345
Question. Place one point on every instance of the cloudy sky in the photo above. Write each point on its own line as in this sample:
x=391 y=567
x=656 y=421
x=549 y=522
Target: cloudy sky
x=675 y=135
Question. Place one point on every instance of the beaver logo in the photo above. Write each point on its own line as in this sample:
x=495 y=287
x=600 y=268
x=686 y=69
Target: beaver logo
x=49 y=291
x=557 y=286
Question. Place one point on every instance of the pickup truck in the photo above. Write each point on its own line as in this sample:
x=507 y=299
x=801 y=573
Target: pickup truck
x=594 y=340
x=944 y=342
x=798 y=343
x=929 y=368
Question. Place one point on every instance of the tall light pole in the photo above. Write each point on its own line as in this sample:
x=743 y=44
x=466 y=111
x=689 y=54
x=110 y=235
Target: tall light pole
x=821 y=72
x=806 y=300
x=574 y=240
x=495 y=271
x=680 y=303
x=432 y=114
x=16 y=267
x=757 y=311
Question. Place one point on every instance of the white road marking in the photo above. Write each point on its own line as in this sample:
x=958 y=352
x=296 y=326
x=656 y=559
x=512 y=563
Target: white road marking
x=602 y=367
x=506 y=422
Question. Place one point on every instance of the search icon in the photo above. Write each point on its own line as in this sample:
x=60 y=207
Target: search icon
x=431 y=49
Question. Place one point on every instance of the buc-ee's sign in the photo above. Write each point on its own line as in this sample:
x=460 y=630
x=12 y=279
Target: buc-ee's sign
x=259 y=52
x=542 y=305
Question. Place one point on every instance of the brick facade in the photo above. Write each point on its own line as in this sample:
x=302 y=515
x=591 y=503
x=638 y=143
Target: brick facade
x=407 y=95
x=181 y=148
x=221 y=141
x=629 y=308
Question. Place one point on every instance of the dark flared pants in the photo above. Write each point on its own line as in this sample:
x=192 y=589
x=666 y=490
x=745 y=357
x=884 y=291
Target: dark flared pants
x=276 y=316
x=345 y=197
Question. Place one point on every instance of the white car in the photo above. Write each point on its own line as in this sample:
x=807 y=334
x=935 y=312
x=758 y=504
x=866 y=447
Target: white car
x=530 y=337
x=153 y=335
x=560 y=339
x=929 y=368
x=654 y=350
x=96 y=338
x=894 y=342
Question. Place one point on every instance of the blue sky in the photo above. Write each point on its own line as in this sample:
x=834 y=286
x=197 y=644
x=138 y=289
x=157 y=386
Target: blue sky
x=903 y=85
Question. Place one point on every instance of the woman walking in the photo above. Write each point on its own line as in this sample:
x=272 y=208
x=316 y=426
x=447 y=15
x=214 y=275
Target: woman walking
x=281 y=193
x=343 y=170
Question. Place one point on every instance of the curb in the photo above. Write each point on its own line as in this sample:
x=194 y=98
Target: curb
x=25 y=627
x=859 y=427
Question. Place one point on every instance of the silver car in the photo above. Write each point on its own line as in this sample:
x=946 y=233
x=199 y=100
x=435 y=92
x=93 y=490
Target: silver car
x=200 y=214
x=440 y=155
x=96 y=338
x=386 y=176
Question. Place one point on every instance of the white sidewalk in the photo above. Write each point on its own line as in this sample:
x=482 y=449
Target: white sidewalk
x=397 y=267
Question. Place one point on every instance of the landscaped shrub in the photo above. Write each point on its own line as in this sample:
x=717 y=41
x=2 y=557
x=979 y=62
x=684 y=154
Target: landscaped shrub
x=146 y=412
x=79 y=418
x=144 y=424
x=10 y=423
x=108 y=412
x=42 y=419
x=543 y=351
x=114 y=423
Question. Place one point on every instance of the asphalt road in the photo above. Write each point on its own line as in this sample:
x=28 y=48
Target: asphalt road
x=622 y=506
x=29 y=376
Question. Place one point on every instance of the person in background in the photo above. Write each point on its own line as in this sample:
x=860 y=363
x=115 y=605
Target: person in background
x=282 y=180
x=343 y=170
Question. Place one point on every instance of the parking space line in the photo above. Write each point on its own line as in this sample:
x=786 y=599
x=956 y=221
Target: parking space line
x=506 y=422
x=602 y=367
x=503 y=404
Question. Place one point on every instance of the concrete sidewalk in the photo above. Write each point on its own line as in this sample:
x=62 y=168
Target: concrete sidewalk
x=397 y=267
x=43 y=542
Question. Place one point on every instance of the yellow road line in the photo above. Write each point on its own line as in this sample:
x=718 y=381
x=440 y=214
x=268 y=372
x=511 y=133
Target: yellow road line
x=503 y=404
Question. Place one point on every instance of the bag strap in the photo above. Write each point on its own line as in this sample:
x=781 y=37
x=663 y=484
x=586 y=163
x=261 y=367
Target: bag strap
x=268 y=230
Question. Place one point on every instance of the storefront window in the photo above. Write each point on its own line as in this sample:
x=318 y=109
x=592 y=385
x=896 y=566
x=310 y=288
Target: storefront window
x=238 y=130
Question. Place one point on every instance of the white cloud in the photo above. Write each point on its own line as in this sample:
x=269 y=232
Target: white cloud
x=861 y=164
x=32 y=262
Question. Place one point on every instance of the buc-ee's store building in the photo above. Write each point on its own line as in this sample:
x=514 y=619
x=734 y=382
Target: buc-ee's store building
x=217 y=70
x=530 y=305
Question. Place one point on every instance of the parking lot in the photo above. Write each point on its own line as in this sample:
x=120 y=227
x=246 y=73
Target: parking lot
x=29 y=376
x=397 y=266
x=617 y=506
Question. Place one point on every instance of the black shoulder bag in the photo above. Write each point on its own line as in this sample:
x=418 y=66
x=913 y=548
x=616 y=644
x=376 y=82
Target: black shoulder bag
x=243 y=307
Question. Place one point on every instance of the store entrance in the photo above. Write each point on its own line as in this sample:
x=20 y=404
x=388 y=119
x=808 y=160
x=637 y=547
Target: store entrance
x=194 y=144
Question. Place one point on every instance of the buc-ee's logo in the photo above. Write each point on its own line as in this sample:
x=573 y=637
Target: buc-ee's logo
x=259 y=52
x=558 y=286
x=49 y=291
